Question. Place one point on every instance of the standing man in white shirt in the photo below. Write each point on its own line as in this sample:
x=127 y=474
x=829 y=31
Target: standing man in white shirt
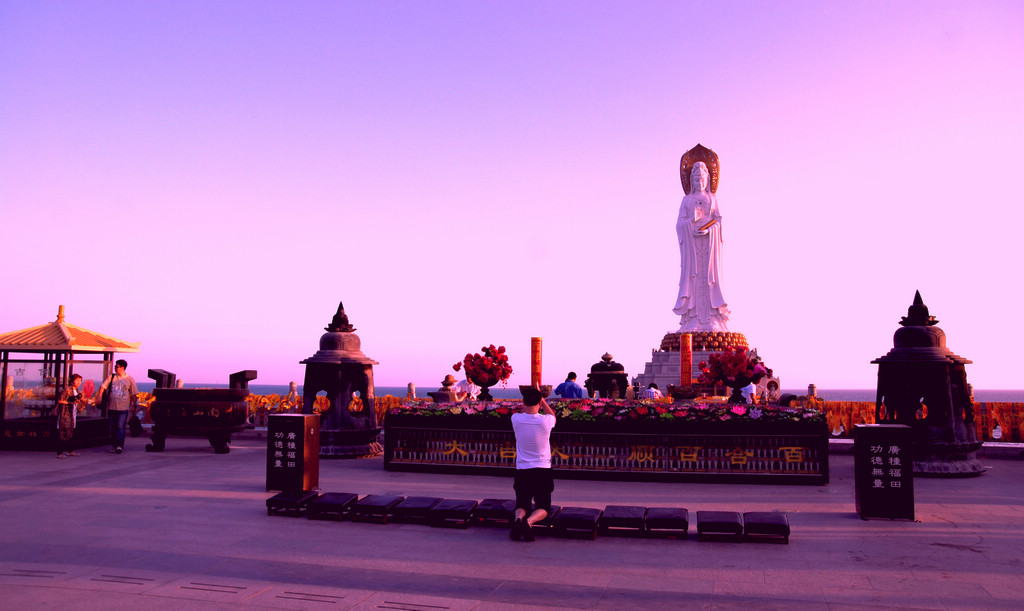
x=124 y=400
x=534 y=482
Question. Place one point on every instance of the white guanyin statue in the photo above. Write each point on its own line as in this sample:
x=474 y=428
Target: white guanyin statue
x=700 y=304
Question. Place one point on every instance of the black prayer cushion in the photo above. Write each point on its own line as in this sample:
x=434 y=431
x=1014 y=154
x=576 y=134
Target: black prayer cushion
x=331 y=503
x=770 y=523
x=719 y=522
x=416 y=505
x=578 y=518
x=627 y=516
x=667 y=518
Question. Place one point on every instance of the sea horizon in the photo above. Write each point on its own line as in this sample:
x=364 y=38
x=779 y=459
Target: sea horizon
x=512 y=392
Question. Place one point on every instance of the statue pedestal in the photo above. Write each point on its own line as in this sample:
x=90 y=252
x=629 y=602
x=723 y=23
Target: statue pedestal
x=663 y=368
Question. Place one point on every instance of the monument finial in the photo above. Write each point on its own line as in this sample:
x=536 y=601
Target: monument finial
x=340 y=324
x=917 y=314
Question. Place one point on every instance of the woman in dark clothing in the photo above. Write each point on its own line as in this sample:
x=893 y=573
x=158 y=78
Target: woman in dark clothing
x=67 y=416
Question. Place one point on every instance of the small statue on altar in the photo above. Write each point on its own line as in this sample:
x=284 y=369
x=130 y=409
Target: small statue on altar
x=699 y=303
x=292 y=402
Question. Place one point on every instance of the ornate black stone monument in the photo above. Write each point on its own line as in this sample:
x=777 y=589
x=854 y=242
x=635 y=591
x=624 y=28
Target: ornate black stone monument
x=607 y=378
x=340 y=369
x=214 y=413
x=922 y=384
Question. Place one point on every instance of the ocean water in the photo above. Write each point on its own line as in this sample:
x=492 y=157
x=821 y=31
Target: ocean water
x=512 y=392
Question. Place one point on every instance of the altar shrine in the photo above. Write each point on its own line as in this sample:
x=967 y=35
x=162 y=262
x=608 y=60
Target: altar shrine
x=792 y=449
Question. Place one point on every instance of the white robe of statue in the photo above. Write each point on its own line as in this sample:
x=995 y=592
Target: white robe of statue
x=700 y=304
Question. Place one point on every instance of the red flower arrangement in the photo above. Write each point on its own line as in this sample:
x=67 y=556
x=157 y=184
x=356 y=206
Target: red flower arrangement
x=487 y=369
x=734 y=367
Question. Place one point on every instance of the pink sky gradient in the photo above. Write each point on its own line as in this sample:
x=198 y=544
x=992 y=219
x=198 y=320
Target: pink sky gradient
x=212 y=178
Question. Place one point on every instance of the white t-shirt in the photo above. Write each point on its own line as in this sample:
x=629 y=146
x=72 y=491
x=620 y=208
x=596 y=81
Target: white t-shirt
x=748 y=391
x=465 y=386
x=533 y=440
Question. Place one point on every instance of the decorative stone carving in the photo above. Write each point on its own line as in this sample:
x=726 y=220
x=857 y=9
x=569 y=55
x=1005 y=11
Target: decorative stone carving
x=340 y=369
x=922 y=384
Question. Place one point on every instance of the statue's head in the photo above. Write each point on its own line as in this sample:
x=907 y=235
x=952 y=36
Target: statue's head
x=699 y=177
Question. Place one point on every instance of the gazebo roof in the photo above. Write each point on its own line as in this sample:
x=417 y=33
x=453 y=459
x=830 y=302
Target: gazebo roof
x=59 y=336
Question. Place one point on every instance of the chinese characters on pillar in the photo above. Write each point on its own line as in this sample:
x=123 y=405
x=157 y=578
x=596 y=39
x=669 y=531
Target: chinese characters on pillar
x=886 y=466
x=884 y=471
x=284 y=451
x=291 y=452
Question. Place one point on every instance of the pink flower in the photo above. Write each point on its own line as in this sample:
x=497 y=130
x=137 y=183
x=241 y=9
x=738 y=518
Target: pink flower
x=739 y=410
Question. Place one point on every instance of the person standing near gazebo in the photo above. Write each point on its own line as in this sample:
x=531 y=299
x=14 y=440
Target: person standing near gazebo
x=67 y=408
x=124 y=398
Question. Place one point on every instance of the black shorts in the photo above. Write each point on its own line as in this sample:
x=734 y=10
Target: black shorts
x=534 y=485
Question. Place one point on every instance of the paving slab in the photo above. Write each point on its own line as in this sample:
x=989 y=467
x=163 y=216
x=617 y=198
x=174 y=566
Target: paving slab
x=187 y=528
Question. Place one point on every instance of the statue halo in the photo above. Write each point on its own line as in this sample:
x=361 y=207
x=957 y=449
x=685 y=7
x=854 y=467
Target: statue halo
x=691 y=157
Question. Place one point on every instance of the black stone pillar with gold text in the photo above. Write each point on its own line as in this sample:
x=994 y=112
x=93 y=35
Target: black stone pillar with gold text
x=884 y=471
x=293 y=452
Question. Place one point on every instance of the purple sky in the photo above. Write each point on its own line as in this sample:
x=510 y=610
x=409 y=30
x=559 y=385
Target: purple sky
x=212 y=178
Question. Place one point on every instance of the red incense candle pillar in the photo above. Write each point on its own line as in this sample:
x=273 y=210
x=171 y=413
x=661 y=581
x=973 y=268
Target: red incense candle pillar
x=535 y=365
x=685 y=359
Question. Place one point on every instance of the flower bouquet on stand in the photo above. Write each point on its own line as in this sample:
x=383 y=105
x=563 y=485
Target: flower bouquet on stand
x=736 y=367
x=487 y=369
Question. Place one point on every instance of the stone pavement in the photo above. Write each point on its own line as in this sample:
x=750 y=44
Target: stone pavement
x=188 y=529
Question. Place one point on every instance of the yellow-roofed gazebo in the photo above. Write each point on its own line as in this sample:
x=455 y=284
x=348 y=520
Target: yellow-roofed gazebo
x=35 y=364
